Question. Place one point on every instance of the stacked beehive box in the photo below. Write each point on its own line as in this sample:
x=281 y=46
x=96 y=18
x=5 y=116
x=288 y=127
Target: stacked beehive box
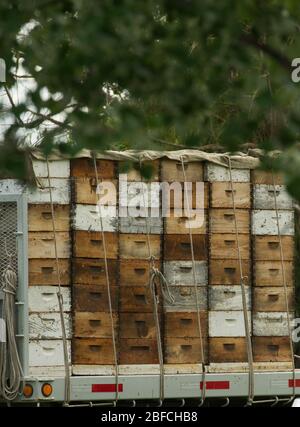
x=45 y=332
x=182 y=337
x=227 y=342
x=92 y=339
x=270 y=327
x=139 y=220
x=217 y=266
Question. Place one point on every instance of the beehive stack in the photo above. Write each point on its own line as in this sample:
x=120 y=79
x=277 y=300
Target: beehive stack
x=182 y=338
x=138 y=336
x=45 y=332
x=270 y=329
x=217 y=266
x=92 y=339
x=227 y=342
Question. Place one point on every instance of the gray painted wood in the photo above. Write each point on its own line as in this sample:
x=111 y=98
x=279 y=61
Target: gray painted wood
x=60 y=191
x=271 y=324
x=48 y=325
x=11 y=186
x=181 y=272
x=224 y=298
x=264 y=222
x=264 y=197
x=215 y=172
x=57 y=168
x=227 y=323
x=47 y=352
x=44 y=299
x=139 y=225
x=87 y=218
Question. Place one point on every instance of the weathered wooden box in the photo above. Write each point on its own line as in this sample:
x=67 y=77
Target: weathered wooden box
x=228 y=298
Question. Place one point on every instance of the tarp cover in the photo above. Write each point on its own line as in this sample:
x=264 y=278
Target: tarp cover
x=249 y=160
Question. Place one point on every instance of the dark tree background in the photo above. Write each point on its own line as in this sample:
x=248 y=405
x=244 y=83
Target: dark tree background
x=159 y=74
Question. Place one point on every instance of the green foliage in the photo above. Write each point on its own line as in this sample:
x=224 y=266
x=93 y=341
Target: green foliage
x=181 y=72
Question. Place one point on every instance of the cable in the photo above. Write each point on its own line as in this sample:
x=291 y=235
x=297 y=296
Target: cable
x=244 y=299
x=203 y=392
x=60 y=297
x=285 y=288
x=11 y=372
x=108 y=291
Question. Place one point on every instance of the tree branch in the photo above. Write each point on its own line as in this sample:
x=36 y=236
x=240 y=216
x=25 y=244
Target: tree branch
x=12 y=103
x=252 y=40
x=50 y=119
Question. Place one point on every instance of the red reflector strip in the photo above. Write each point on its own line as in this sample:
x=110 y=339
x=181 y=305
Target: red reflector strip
x=297 y=383
x=215 y=385
x=106 y=388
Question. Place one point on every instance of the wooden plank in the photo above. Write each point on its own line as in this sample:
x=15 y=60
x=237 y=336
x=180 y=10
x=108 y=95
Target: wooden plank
x=48 y=353
x=177 y=247
x=227 y=350
x=136 y=247
x=84 y=167
x=86 y=191
x=222 y=221
x=57 y=168
x=92 y=218
x=138 y=351
x=180 y=273
x=136 y=299
x=184 y=350
x=171 y=170
x=92 y=351
x=224 y=246
x=271 y=324
x=221 y=195
x=94 y=298
x=244 y=367
x=264 y=222
x=228 y=298
x=263 y=177
x=12 y=186
x=264 y=197
x=91 y=271
x=60 y=191
x=272 y=299
x=227 y=272
x=94 y=324
x=41 y=244
x=267 y=248
x=137 y=325
x=48 y=325
x=40 y=218
x=44 y=299
x=176 y=194
x=271 y=349
x=135 y=272
x=185 y=324
x=140 y=225
x=177 y=223
x=139 y=195
x=148 y=369
x=269 y=273
x=88 y=244
x=214 y=172
x=43 y=272
x=133 y=173
x=185 y=300
x=227 y=323
x=46 y=372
